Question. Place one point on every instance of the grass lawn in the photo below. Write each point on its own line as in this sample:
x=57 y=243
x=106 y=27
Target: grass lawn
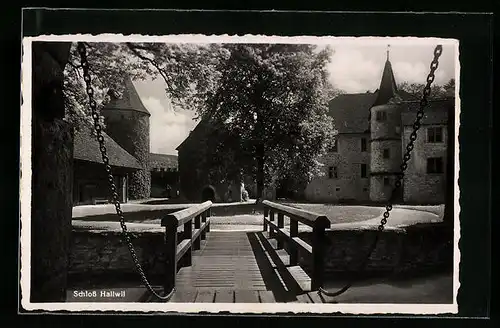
x=341 y=213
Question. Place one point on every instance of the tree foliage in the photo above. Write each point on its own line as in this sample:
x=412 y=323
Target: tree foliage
x=266 y=103
x=437 y=91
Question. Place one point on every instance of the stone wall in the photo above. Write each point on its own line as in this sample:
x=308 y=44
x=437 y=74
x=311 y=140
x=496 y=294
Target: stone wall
x=98 y=256
x=349 y=185
x=415 y=249
x=52 y=166
x=420 y=186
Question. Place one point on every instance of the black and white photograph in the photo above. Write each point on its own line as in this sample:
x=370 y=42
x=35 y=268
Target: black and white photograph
x=248 y=174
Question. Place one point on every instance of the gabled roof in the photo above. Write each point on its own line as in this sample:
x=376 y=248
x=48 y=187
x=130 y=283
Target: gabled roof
x=162 y=161
x=86 y=148
x=436 y=111
x=351 y=112
x=199 y=130
x=129 y=100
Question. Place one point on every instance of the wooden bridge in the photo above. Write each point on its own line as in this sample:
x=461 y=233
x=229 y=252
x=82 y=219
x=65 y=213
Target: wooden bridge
x=240 y=266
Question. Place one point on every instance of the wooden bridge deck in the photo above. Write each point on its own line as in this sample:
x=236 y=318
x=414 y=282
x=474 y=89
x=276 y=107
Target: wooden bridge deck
x=236 y=267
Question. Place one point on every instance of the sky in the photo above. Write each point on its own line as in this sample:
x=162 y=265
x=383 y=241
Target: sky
x=353 y=68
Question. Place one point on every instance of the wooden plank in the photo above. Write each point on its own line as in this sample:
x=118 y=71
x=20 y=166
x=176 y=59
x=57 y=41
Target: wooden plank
x=314 y=297
x=246 y=296
x=303 y=298
x=306 y=217
x=302 y=244
x=182 y=248
x=224 y=296
x=301 y=277
x=205 y=296
x=187 y=214
x=184 y=296
x=266 y=296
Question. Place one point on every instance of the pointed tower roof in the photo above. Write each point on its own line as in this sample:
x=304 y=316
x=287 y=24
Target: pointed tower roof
x=129 y=100
x=387 y=89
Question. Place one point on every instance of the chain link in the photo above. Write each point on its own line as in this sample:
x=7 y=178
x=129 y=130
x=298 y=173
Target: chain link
x=114 y=194
x=404 y=165
x=115 y=198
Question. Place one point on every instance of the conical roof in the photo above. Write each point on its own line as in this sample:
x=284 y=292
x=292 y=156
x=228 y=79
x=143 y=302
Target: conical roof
x=129 y=100
x=388 y=88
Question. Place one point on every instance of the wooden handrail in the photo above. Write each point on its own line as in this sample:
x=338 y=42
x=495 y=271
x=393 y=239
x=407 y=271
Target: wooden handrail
x=186 y=214
x=316 y=250
x=179 y=247
x=308 y=218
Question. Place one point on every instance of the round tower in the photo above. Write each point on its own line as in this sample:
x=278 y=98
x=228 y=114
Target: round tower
x=385 y=133
x=127 y=122
x=386 y=150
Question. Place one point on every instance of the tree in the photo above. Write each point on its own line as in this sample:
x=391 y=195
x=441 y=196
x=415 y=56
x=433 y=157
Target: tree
x=437 y=91
x=272 y=101
x=188 y=71
x=267 y=103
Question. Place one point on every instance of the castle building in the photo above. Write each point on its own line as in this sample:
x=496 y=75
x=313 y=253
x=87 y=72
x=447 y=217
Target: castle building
x=138 y=173
x=373 y=131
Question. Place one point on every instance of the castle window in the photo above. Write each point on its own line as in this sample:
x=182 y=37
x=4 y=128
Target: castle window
x=363 y=170
x=337 y=188
x=435 y=165
x=335 y=147
x=381 y=116
x=363 y=144
x=387 y=182
x=387 y=153
x=365 y=189
x=332 y=172
x=434 y=134
x=397 y=129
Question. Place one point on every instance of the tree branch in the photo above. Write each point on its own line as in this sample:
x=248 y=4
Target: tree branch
x=133 y=48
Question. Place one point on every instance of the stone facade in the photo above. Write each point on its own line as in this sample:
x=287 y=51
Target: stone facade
x=421 y=186
x=343 y=180
x=130 y=129
x=385 y=119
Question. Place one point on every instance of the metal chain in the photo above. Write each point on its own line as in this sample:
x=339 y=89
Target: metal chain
x=115 y=198
x=409 y=148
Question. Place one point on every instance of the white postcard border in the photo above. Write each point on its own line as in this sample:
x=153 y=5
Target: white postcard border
x=25 y=185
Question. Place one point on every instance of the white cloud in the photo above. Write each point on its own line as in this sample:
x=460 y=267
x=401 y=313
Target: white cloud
x=352 y=72
x=168 y=127
x=359 y=68
x=415 y=73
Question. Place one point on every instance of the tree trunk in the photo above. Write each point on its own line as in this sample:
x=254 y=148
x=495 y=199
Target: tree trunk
x=260 y=172
x=52 y=167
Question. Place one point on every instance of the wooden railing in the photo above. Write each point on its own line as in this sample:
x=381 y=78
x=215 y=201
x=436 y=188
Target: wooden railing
x=178 y=247
x=316 y=251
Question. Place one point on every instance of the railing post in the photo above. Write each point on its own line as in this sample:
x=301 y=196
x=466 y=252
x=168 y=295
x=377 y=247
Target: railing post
x=271 y=218
x=197 y=225
x=280 y=225
x=187 y=259
x=318 y=256
x=203 y=221
x=266 y=213
x=209 y=214
x=170 y=254
x=294 y=232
